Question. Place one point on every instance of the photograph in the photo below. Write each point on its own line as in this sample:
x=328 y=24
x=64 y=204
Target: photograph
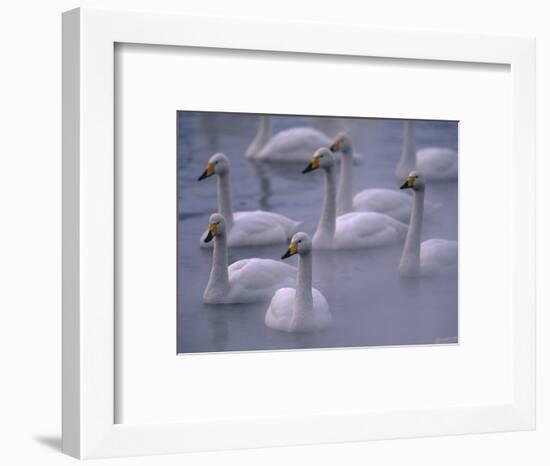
x=314 y=232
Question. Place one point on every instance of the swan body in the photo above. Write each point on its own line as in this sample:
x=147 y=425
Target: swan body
x=254 y=228
x=395 y=204
x=353 y=229
x=281 y=314
x=366 y=230
x=435 y=163
x=432 y=257
x=245 y=281
x=438 y=256
x=258 y=228
x=303 y=309
x=293 y=145
x=386 y=201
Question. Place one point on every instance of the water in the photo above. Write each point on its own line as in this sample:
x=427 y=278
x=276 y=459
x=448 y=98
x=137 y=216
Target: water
x=371 y=304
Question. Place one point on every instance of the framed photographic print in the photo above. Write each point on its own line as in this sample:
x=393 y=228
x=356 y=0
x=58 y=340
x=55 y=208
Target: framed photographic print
x=276 y=238
x=227 y=282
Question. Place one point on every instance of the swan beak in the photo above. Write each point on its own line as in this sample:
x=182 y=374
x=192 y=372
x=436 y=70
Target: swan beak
x=208 y=172
x=212 y=231
x=313 y=165
x=409 y=183
x=293 y=249
x=335 y=147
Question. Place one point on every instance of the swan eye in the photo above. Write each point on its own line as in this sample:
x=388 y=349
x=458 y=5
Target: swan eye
x=299 y=241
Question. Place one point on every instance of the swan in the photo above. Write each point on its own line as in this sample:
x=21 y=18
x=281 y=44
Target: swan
x=436 y=163
x=263 y=135
x=255 y=228
x=354 y=229
x=290 y=145
x=244 y=281
x=303 y=309
x=434 y=256
x=386 y=201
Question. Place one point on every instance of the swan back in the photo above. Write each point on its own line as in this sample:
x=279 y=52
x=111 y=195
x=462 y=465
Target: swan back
x=438 y=163
x=438 y=256
x=293 y=145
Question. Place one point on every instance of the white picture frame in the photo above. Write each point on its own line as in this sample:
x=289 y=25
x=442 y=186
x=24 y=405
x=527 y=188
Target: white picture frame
x=89 y=38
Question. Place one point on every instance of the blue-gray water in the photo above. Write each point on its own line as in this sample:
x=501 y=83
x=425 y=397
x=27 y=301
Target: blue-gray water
x=370 y=303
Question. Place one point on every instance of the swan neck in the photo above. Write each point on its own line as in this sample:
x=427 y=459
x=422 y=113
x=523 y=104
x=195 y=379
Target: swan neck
x=264 y=129
x=304 y=295
x=410 y=260
x=407 y=162
x=263 y=135
x=219 y=276
x=344 y=197
x=327 y=222
x=224 y=199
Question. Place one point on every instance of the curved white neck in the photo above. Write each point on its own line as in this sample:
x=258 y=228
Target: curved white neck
x=410 y=260
x=304 y=296
x=344 y=198
x=219 y=277
x=407 y=163
x=263 y=135
x=224 y=199
x=327 y=222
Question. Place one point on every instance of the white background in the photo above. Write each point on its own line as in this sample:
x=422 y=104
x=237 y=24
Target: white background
x=30 y=200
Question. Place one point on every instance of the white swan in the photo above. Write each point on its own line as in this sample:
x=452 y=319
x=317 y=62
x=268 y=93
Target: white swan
x=354 y=229
x=303 y=309
x=436 y=163
x=434 y=256
x=386 y=201
x=290 y=145
x=244 y=281
x=263 y=135
x=255 y=228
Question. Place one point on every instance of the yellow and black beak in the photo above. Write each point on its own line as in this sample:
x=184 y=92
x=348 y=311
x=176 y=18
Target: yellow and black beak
x=212 y=231
x=409 y=184
x=292 y=249
x=313 y=165
x=209 y=171
x=335 y=147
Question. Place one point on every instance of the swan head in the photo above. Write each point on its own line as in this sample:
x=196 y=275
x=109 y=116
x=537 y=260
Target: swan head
x=342 y=142
x=217 y=165
x=414 y=181
x=299 y=244
x=322 y=158
x=216 y=227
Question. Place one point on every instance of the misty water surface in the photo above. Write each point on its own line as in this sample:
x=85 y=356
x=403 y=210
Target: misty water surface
x=370 y=303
